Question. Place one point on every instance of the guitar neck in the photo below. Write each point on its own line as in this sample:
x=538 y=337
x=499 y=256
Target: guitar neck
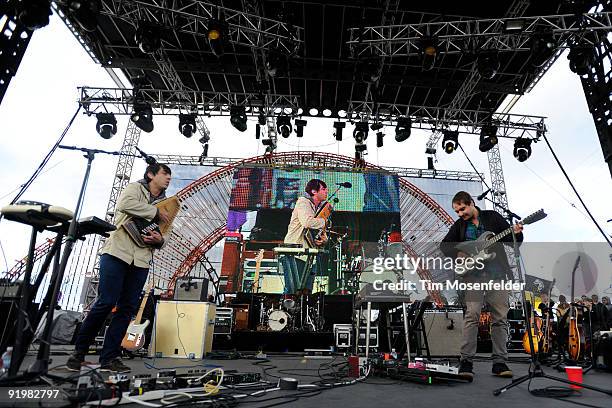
x=142 y=306
x=498 y=237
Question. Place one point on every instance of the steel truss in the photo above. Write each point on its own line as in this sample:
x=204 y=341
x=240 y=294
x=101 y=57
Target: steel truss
x=400 y=171
x=597 y=86
x=192 y=17
x=455 y=37
x=170 y=102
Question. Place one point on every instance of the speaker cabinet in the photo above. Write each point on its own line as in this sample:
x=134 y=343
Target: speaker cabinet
x=444 y=333
x=183 y=329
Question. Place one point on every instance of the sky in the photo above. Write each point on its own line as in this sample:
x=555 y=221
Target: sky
x=43 y=96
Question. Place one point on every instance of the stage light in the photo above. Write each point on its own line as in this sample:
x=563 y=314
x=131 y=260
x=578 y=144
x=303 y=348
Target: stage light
x=261 y=119
x=450 y=141
x=429 y=51
x=187 y=124
x=34 y=14
x=379 y=139
x=299 y=127
x=522 y=149
x=403 y=128
x=430 y=163
x=106 y=125
x=148 y=38
x=257 y=131
x=580 y=58
x=338 y=126
x=514 y=25
x=143 y=116
x=313 y=111
x=376 y=126
x=360 y=133
x=238 y=118
x=85 y=13
x=488 y=64
x=327 y=113
x=270 y=144
x=488 y=138
x=216 y=36
x=283 y=126
x=542 y=47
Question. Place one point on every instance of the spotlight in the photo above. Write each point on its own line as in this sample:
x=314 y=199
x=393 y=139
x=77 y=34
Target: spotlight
x=402 y=129
x=204 y=153
x=488 y=138
x=283 y=126
x=270 y=145
x=148 y=38
x=238 y=118
x=580 y=58
x=261 y=119
x=34 y=14
x=107 y=125
x=429 y=51
x=360 y=133
x=216 y=36
x=257 y=131
x=299 y=127
x=542 y=47
x=187 y=124
x=85 y=13
x=522 y=149
x=379 y=139
x=143 y=116
x=450 y=141
x=488 y=64
x=361 y=148
x=376 y=126
x=338 y=126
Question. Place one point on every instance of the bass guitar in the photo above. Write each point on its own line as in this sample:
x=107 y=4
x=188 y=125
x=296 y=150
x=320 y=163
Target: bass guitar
x=480 y=249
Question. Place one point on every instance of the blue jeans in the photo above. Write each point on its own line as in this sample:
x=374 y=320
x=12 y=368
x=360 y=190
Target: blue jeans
x=293 y=269
x=120 y=285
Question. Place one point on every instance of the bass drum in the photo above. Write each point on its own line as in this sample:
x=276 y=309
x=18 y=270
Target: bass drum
x=278 y=320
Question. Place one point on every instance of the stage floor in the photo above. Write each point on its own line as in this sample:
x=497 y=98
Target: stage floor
x=374 y=390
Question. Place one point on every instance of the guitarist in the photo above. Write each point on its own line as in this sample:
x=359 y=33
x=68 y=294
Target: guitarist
x=124 y=267
x=303 y=218
x=471 y=224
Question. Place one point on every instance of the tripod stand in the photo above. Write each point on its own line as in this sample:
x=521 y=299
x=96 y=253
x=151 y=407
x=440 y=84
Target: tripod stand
x=535 y=368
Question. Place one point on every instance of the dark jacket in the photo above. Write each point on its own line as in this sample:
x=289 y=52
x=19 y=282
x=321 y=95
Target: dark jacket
x=493 y=222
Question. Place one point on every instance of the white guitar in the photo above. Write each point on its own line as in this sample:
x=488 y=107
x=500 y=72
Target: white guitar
x=478 y=250
x=135 y=337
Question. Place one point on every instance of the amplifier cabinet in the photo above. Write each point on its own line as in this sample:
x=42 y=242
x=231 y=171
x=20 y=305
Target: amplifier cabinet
x=444 y=332
x=183 y=329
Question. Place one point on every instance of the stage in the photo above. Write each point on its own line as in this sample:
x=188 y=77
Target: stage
x=367 y=393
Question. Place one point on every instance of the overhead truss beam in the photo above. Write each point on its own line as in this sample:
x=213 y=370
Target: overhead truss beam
x=455 y=37
x=192 y=17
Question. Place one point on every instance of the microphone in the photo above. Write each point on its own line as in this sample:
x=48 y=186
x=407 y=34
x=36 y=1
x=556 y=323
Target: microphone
x=483 y=195
x=149 y=159
x=346 y=184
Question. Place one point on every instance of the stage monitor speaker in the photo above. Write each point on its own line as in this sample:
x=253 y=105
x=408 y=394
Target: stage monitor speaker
x=444 y=332
x=195 y=289
x=183 y=329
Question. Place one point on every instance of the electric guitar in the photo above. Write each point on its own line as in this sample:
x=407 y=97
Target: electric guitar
x=479 y=250
x=134 y=337
x=258 y=260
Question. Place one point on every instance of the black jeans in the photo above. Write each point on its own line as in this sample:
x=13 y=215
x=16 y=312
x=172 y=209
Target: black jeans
x=120 y=285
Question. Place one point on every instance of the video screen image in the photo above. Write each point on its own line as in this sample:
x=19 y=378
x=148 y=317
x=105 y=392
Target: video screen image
x=263 y=188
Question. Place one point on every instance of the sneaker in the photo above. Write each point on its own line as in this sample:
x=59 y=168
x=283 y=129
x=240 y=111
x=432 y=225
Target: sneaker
x=115 y=365
x=501 y=370
x=466 y=370
x=75 y=360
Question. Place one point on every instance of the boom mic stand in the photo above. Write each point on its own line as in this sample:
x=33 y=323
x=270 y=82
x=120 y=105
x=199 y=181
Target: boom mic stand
x=535 y=368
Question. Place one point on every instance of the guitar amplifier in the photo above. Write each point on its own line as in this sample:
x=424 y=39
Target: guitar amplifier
x=183 y=329
x=444 y=332
x=193 y=289
x=223 y=320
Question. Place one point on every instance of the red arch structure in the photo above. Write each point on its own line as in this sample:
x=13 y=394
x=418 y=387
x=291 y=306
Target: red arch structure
x=202 y=219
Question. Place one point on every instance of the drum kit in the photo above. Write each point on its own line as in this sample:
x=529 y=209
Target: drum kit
x=292 y=313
